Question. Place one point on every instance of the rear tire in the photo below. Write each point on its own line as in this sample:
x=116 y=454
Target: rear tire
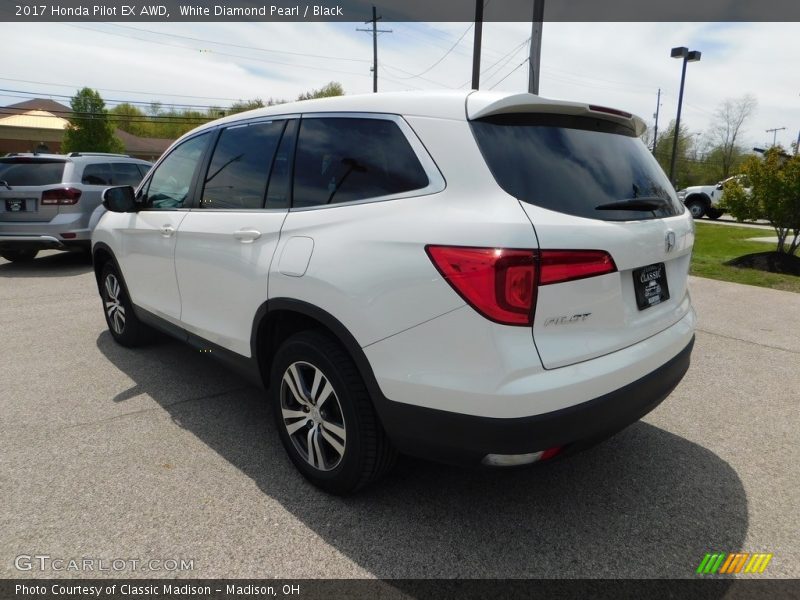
x=697 y=208
x=325 y=417
x=21 y=255
x=713 y=213
x=126 y=329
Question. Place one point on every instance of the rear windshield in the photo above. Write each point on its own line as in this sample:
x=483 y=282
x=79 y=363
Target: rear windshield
x=31 y=172
x=574 y=165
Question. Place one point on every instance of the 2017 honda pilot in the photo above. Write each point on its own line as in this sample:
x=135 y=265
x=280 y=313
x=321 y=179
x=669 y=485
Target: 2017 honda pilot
x=473 y=277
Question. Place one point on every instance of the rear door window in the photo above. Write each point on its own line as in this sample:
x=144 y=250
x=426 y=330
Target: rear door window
x=239 y=171
x=348 y=159
x=97 y=174
x=31 y=171
x=125 y=174
x=574 y=165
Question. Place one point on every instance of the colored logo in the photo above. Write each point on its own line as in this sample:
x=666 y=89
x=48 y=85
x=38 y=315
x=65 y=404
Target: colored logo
x=737 y=562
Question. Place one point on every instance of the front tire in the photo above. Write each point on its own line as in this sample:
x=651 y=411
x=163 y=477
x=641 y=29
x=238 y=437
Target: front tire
x=696 y=208
x=324 y=415
x=20 y=255
x=126 y=329
x=714 y=213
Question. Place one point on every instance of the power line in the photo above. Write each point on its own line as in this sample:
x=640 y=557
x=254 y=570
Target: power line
x=251 y=58
x=506 y=57
x=240 y=46
x=445 y=55
x=509 y=73
x=135 y=102
x=64 y=85
x=393 y=68
x=68 y=115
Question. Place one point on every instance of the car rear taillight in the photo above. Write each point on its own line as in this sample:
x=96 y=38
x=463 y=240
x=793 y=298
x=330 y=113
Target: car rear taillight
x=501 y=284
x=66 y=195
x=498 y=283
x=558 y=266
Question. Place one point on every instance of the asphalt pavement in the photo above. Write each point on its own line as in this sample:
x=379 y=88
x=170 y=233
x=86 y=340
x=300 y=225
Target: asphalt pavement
x=160 y=453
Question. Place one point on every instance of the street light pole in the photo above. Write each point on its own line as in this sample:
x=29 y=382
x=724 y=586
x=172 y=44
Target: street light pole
x=687 y=56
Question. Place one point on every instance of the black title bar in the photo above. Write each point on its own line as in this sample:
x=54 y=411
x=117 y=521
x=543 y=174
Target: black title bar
x=705 y=588
x=398 y=10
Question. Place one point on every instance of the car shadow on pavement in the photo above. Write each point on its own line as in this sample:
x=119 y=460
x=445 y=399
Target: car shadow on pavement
x=645 y=504
x=57 y=264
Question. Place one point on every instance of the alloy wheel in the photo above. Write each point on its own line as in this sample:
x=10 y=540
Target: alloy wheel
x=312 y=415
x=114 y=307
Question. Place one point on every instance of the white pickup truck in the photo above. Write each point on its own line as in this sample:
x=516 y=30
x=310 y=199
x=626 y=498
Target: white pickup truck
x=703 y=200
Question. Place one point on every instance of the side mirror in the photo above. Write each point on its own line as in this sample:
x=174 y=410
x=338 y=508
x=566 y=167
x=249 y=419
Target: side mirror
x=719 y=186
x=120 y=199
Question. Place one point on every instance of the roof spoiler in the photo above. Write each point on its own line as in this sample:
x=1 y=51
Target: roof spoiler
x=485 y=104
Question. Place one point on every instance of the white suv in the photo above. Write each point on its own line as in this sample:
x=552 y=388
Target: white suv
x=472 y=277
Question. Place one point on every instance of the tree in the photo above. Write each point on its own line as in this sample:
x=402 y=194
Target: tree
x=128 y=117
x=334 y=88
x=663 y=153
x=89 y=129
x=774 y=196
x=244 y=105
x=728 y=123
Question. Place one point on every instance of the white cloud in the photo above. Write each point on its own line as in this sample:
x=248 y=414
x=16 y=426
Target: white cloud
x=614 y=64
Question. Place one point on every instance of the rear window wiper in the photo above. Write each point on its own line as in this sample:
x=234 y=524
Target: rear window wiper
x=3 y=182
x=644 y=203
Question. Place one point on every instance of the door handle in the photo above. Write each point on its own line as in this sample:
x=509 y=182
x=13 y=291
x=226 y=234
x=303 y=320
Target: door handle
x=167 y=230
x=247 y=236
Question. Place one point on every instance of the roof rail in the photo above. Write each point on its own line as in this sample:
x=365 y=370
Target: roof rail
x=72 y=154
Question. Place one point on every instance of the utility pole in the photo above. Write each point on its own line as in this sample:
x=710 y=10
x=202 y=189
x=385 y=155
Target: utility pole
x=774 y=133
x=655 y=129
x=375 y=31
x=535 y=58
x=476 y=45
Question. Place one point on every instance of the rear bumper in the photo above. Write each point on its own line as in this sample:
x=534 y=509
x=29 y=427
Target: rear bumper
x=47 y=234
x=33 y=242
x=467 y=439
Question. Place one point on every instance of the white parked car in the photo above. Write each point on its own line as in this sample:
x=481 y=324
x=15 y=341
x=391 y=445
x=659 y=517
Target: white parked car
x=703 y=200
x=472 y=277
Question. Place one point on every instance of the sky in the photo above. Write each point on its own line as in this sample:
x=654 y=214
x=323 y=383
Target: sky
x=620 y=65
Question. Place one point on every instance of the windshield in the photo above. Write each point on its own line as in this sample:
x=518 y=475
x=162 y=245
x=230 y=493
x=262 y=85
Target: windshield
x=574 y=165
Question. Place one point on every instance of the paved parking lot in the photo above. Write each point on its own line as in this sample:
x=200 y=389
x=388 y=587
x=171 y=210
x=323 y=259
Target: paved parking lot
x=160 y=453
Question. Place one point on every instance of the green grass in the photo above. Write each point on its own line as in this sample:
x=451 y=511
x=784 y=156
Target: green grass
x=716 y=244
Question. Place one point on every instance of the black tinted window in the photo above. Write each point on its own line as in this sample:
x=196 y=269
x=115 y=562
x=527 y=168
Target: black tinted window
x=97 y=174
x=171 y=183
x=574 y=164
x=125 y=174
x=31 y=172
x=340 y=160
x=240 y=166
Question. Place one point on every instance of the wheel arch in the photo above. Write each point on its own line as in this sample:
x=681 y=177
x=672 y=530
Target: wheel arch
x=279 y=318
x=101 y=254
x=702 y=197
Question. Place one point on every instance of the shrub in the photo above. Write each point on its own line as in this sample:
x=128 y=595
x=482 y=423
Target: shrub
x=774 y=196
